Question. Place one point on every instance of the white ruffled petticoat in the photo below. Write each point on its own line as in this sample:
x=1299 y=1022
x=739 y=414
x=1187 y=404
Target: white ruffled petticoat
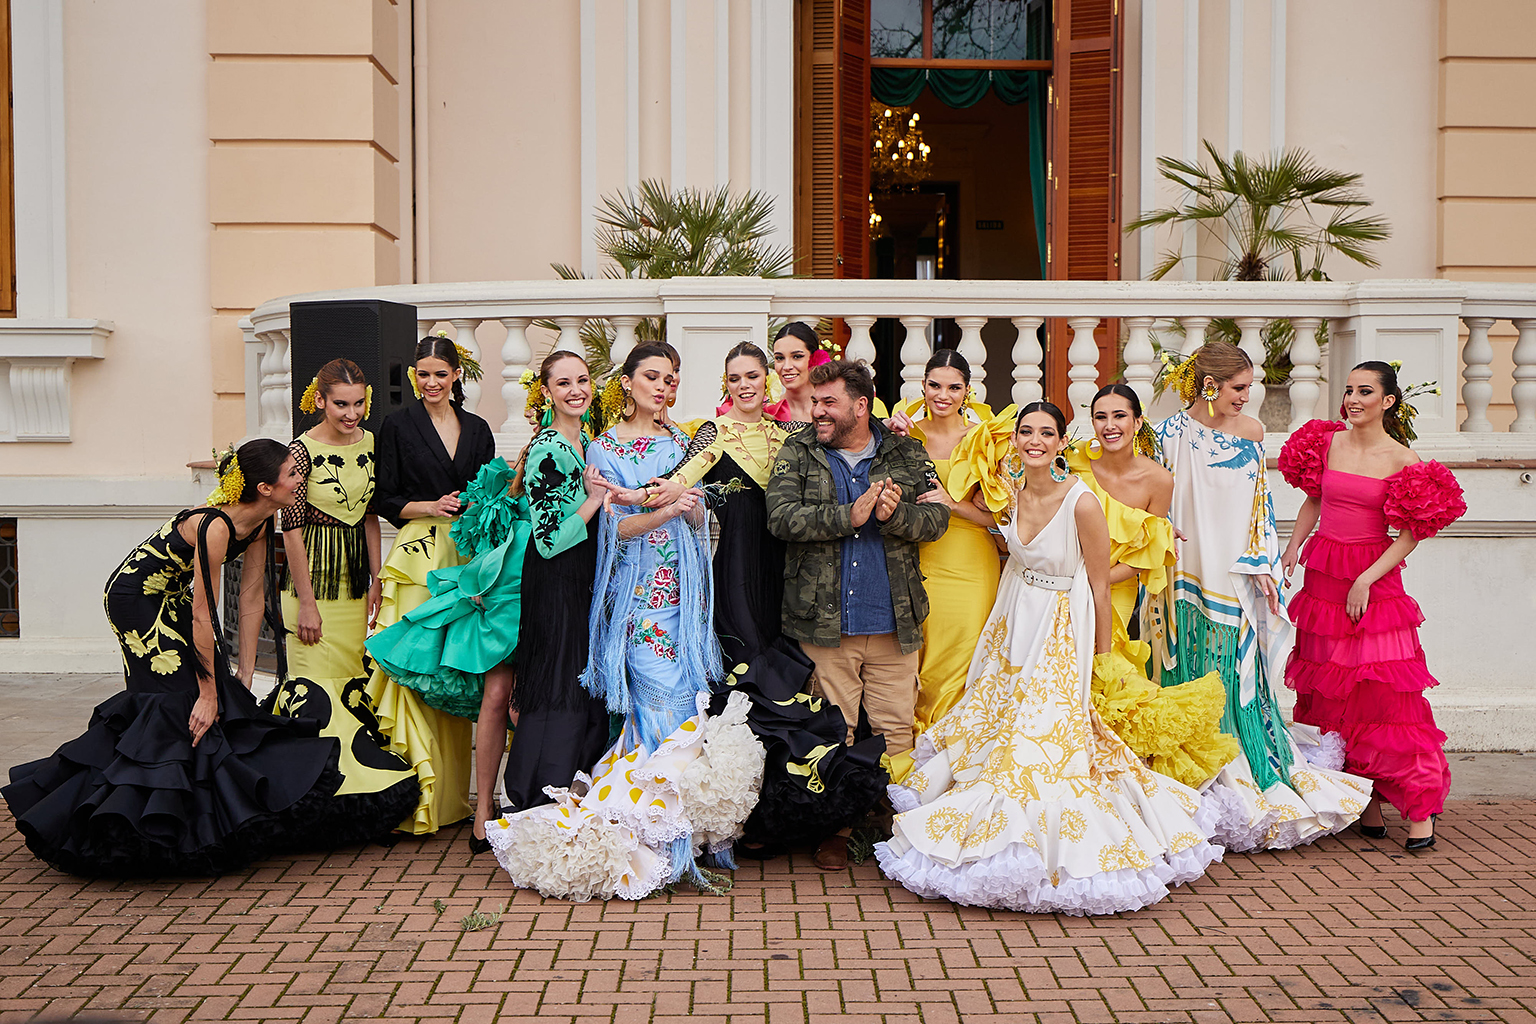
x=636 y=823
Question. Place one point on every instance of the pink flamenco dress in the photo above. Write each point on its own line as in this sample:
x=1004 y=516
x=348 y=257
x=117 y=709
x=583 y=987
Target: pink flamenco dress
x=1366 y=680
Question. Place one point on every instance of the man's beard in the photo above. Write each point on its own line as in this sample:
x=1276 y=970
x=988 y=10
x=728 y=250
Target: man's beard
x=840 y=431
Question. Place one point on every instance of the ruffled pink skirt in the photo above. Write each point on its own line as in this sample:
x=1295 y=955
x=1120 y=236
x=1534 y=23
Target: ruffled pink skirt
x=1366 y=680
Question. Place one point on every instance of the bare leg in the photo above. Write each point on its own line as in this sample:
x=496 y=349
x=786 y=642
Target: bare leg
x=490 y=741
x=1371 y=816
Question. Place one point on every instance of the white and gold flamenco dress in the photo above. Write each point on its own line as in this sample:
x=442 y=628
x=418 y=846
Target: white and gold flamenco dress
x=1021 y=797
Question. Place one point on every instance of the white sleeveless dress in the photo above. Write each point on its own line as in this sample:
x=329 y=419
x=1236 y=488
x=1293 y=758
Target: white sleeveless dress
x=1021 y=798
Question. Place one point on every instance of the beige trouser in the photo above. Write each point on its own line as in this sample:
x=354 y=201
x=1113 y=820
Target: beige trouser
x=871 y=670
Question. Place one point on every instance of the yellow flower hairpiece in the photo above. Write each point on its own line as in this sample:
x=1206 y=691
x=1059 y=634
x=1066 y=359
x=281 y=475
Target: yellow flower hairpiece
x=468 y=363
x=612 y=400
x=415 y=384
x=307 y=403
x=1179 y=377
x=367 y=401
x=537 y=398
x=1145 y=442
x=725 y=384
x=231 y=480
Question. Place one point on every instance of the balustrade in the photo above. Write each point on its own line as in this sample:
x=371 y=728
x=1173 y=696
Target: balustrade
x=1417 y=321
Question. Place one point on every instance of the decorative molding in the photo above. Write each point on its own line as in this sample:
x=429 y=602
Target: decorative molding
x=36 y=357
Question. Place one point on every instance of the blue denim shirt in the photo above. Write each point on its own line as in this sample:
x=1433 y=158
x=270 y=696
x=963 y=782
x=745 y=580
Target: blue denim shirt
x=866 y=586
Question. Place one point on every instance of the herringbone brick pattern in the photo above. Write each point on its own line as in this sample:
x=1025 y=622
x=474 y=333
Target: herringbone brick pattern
x=1346 y=930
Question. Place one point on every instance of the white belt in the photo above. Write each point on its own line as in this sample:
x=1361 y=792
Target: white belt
x=1044 y=582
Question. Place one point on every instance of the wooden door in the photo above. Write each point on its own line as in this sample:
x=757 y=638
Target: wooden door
x=851 y=106
x=1083 y=227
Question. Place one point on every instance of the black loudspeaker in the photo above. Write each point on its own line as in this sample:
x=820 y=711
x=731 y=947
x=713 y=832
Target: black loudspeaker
x=378 y=336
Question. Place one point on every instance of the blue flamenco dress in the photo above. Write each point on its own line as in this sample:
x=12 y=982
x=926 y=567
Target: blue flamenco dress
x=443 y=647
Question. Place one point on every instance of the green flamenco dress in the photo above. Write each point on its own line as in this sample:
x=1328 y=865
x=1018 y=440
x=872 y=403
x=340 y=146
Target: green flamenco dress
x=443 y=647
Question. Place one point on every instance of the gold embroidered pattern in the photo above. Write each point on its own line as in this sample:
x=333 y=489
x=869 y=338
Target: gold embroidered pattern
x=1183 y=841
x=1118 y=856
x=1304 y=782
x=1074 y=825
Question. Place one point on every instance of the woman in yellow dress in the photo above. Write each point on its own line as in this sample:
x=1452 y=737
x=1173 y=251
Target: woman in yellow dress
x=1176 y=728
x=960 y=569
x=427 y=454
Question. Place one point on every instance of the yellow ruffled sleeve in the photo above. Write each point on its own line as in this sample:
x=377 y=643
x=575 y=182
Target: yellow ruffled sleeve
x=978 y=460
x=1136 y=537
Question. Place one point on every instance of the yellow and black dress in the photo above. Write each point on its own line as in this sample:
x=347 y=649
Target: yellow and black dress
x=413 y=465
x=327 y=681
x=960 y=570
x=1176 y=728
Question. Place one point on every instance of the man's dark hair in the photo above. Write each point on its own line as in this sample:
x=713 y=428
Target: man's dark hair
x=855 y=377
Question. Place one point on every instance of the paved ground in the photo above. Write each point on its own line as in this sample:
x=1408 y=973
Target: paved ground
x=1348 y=929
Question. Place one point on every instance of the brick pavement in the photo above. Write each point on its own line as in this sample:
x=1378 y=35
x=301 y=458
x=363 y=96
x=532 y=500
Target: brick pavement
x=1346 y=930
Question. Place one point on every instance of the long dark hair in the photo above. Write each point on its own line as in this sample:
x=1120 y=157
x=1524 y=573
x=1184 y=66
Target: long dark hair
x=1125 y=391
x=436 y=346
x=746 y=348
x=261 y=460
x=796 y=329
x=1392 y=418
x=951 y=358
x=1048 y=408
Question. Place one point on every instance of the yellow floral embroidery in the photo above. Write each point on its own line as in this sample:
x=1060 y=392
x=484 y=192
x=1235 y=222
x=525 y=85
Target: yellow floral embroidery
x=1304 y=782
x=1117 y=856
x=1183 y=841
x=1074 y=825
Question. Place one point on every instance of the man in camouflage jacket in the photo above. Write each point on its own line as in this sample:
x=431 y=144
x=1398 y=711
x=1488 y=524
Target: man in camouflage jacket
x=844 y=496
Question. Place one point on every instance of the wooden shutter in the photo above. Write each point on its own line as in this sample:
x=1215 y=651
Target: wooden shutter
x=816 y=211
x=852 y=151
x=1083 y=227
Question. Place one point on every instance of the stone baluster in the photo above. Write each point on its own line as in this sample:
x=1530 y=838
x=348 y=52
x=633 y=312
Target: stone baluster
x=860 y=348
x=1083 y=354
x=1252 y=343
x=272 y=398
x=1523 y=392
x=975 y=353
x=1306 y=360
x=623 y=338
x=515 y=357
x=1028 y=360
x=570 y=334
x=1140 y=358
x=1194 y=333
x=424 y=328
x=464 y=337
x=915 y=350
x=1476 y=391
x=284 y=425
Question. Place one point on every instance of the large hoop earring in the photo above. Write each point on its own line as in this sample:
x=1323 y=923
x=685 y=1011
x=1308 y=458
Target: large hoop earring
x=1013 y=465
x=628 y=408
x=1059 y=469
x=1095 y=449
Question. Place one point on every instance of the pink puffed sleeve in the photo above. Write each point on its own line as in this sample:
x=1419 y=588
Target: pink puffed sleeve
x=1305 y=456
x=1424 y=499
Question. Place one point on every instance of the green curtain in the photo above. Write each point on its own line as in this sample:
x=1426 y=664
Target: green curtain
x=900 y=87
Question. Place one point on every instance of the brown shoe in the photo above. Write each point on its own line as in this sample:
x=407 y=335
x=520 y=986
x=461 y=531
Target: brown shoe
x=832 y=854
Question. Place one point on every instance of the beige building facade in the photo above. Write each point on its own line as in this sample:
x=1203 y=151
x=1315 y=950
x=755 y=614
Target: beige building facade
x=177 y=165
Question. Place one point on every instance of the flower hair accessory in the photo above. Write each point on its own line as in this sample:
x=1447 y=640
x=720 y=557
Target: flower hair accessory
x=415 y=384
x=231 y=480
x=1145 y=443
x=367 y=401
x=1179 y=376
x=307 y=403
x=1398 y=421
x=538 y=399
x=611 y=401
x=468 y=364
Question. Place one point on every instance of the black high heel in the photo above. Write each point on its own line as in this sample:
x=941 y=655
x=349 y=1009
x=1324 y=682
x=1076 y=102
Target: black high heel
x=1423 y=842
x=1374 y=831
x=477 y=846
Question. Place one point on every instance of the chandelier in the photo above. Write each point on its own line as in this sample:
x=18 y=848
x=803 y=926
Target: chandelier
x=898 y=154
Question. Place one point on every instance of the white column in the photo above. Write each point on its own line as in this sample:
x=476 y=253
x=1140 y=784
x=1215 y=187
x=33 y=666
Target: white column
x=1194 y=333
x=860 y=348
x=1277 y=75
x=588 y=154
x=1476 y=391
x=679 y=97
x=975 y=353
x=284 y=404
x=1306 y=360
x=1252 y=343
x=722 y=93
x=1235 y=75
x=915 y=350
x=465 y=339
x=632 y=94
x=1028 y=358
x=271 y=397
x=515 y=355
x=1083 y=354
x=570 y=334
x=1148 y=163
x=623 y=338
x=1140 y=368
x=1523 y=392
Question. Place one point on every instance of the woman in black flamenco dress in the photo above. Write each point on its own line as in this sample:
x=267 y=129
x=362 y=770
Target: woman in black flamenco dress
x=813 y=783
x=182 y=773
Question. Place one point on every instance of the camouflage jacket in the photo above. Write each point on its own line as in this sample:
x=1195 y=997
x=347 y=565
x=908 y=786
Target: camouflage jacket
x=804 y=511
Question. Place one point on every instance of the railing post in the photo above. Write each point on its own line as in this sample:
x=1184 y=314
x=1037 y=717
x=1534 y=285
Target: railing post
x=975 y=353
x=515 y=356
x=1083 y=354
x=1027 y=359
x=1476 y=391
x=623 y=338
x=915 y=350
x=1306 y=361
x=1194 y=333
x=860 y=347
x=570 y=334
x=465 y=339
x=1523 y=391
x=1252 y=344
x=1140 y=368
x=272 y=398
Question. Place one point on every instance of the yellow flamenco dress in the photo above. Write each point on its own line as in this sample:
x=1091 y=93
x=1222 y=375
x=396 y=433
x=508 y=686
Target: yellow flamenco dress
x=960 y=570
x=437 y=744
x=1177 y=729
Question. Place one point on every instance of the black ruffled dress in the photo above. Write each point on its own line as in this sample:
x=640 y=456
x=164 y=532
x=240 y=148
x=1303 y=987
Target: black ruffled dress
x=131 y=796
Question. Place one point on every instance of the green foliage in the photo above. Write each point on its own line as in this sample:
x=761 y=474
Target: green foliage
x=479 y=921
x=655 y=233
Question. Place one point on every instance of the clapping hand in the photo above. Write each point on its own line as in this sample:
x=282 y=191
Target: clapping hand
x=889 y=498
x=864 y=504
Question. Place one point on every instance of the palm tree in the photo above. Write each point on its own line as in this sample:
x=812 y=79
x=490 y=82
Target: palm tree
x=1267 y=216
x=655 y=232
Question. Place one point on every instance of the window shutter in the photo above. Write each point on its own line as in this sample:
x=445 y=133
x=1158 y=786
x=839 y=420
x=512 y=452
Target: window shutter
x=816 y=210
x=852 y=150
x=1084 y=206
